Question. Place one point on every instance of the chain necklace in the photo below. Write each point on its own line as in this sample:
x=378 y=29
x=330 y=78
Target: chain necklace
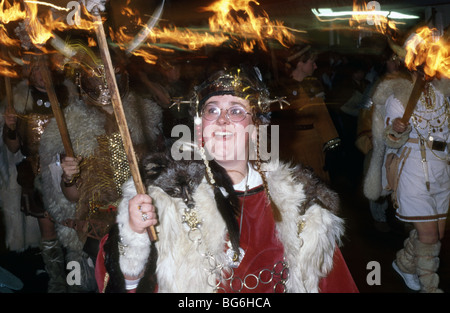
x=431 y=118
x=428 y=96
x=223 y=272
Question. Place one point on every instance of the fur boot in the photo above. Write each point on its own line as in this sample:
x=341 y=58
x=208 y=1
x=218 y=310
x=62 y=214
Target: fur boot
x=53 y=257
x=427 y=263
x=405 y=263
x=406 y=257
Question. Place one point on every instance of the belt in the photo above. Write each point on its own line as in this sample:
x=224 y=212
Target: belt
x=432 y=144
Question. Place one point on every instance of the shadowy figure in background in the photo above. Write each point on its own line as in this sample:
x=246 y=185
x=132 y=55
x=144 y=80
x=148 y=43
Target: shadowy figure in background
x=24 y=132
x=389 y=64
x=307 y=132
x=343 y=103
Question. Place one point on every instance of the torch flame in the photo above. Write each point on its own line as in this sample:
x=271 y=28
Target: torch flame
x=235 y=23
x=238 y=20
x=10 y=13
x=425 y=49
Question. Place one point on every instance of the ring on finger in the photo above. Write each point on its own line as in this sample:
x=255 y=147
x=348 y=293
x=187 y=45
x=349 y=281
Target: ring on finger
x=144 y=217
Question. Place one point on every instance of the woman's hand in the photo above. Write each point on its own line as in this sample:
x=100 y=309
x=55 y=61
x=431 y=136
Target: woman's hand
x=70 y=167
x=399 y=126
x=142 y=213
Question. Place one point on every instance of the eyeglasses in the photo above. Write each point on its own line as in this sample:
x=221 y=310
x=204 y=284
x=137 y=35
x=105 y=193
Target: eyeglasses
x=235 y=113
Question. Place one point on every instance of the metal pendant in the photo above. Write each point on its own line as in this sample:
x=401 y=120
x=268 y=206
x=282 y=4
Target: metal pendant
x=233 y=260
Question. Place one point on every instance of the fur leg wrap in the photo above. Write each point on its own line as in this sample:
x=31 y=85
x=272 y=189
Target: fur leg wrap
x=406 y=260
x=427 y=262
x=53 y=258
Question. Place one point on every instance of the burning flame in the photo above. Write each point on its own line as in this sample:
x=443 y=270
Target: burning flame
x=10 y=12
x=369 y=13
x=424 y=49
x=6 y=69
x=239 y=20
x=234 y=23
x=39 y=26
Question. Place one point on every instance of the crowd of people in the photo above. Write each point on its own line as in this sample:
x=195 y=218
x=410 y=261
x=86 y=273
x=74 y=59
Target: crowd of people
x=228 y=219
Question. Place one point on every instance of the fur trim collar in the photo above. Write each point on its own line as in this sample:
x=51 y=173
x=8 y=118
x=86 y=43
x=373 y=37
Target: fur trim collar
x=401 y=87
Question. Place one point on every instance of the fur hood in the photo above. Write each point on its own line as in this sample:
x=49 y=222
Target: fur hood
x=308 y=251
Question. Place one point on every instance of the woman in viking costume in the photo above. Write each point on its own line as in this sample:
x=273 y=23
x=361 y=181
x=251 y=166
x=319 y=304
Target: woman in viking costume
x=23 y=131
x=247 y=225
x=82 y=192
x=410 y=161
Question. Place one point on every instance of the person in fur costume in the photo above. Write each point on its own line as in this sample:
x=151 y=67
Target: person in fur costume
x=23 y=132
x=82 y=192
x=241 y=225
x=410 y=161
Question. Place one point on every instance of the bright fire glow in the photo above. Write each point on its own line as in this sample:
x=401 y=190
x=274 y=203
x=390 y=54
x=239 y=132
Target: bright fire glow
x=239 y=24
x=233 y=23
x=423 y=49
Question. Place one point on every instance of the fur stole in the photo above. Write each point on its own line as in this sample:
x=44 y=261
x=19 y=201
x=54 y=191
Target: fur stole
x=309 y=233
x=400 y=87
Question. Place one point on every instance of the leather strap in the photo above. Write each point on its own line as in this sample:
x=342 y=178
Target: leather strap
x=432 y=144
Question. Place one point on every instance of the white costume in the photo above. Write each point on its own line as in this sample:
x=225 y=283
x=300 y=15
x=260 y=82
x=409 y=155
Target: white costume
x=415 y=202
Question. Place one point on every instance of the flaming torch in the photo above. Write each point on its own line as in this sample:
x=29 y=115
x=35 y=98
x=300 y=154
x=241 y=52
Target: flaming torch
x=429 y=57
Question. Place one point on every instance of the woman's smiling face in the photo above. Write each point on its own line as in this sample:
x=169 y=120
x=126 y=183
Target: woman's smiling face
x=227 y=140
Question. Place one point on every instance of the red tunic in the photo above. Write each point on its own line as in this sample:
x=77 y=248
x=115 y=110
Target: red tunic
x=263 y=250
